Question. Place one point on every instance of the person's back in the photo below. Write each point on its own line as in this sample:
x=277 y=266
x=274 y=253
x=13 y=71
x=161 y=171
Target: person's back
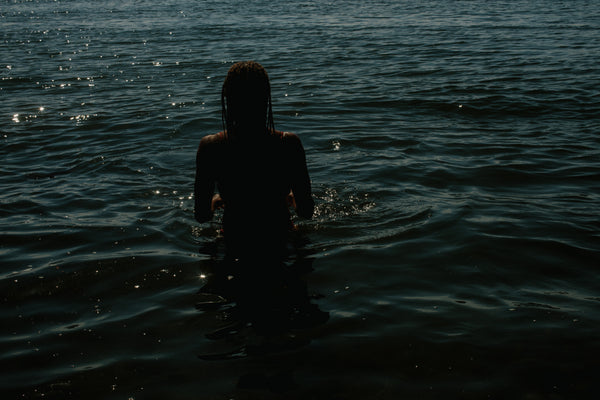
x=256 y=170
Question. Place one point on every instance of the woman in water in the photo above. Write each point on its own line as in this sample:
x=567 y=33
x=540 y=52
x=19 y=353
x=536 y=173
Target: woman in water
x=259 y=172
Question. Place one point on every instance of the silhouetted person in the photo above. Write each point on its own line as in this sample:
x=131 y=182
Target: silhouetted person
x=259 y=172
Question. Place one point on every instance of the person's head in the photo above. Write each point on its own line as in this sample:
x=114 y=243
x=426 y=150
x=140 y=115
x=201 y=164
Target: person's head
x=246 y=100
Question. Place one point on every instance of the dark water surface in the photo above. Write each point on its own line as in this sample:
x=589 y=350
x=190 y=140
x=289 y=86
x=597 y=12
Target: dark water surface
x=454 y=150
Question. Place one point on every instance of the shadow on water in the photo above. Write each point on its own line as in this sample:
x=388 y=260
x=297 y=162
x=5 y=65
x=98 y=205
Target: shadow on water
x=264 y=309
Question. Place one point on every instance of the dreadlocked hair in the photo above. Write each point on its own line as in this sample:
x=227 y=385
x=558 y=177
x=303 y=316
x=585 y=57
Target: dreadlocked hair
x=246 y=99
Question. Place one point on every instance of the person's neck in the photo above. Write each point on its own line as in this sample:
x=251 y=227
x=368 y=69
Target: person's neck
x=248 y=134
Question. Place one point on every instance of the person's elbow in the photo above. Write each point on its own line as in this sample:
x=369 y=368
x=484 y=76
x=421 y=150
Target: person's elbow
x=202 y=215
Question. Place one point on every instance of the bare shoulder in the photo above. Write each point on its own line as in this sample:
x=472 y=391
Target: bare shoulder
x=286 y=135
x=289 y=138
x=208 y=149
x=211 y=140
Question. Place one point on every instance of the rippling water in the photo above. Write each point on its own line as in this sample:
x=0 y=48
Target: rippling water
x=455 y=156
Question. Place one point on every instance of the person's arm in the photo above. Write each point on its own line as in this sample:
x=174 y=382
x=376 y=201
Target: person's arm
x=204 y=185
x=300 y=182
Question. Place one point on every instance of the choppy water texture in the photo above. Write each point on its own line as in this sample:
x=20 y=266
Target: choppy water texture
x=454 y=153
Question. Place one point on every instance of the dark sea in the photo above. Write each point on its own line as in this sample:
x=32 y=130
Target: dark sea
x=454 y=152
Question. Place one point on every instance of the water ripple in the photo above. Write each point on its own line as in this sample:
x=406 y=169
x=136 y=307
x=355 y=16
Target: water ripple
x=453 y=148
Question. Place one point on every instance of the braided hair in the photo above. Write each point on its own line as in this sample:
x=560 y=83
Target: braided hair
x=246 y=100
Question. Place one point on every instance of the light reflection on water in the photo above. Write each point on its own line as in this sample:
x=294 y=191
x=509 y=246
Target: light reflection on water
x=453 y=153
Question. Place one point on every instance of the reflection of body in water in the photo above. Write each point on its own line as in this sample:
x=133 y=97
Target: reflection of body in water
x=259 y=172
x=260 y=316
x=265 y=313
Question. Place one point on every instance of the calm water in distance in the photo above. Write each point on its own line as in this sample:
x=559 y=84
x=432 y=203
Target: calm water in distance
x=454 y=151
